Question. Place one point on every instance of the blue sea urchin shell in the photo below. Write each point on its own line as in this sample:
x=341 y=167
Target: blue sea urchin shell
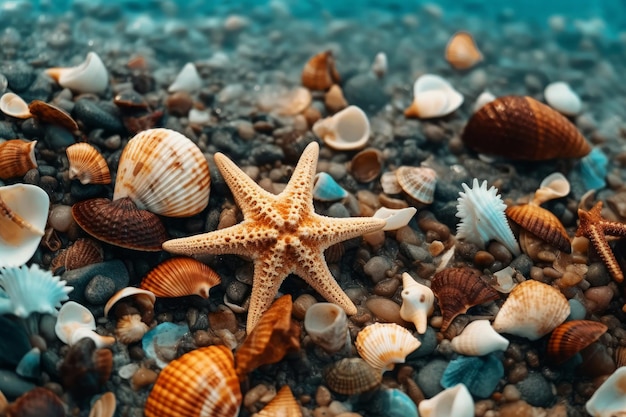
x=480 y=374
x=481 y=211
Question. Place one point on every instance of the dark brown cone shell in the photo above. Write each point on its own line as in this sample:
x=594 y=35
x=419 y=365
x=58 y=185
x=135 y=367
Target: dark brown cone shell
x=518 y=127
x=48 y=113
x=541 y=223
x=351 y=376
x=320 y=73
x=120 y=223
x=457 y=290
x=37 y=402
x=179 y=277
x=571 y=337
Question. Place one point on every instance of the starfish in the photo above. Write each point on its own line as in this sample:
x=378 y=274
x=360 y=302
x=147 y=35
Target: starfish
x=281 y=233
x=595 y=228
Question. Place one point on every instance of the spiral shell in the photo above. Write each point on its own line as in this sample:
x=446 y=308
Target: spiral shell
x=462 y=52
x=541 y=223
x=418 y=182
x=573 y=336
x=87 y=164
x=384 y=344
x=351 y=376
x=518 y=127
x=179 y=277
x=320 y=73
x=17 y=157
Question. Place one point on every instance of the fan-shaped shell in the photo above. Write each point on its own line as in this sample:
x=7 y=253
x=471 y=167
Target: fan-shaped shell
x=478 y=339
x=418 y=182
x=87 y=164
x=179 y=277
x=458 y=289
x=351 y=376
x=320 y=73
x=17 y=157
x=13 y=105
x=384 y=344
x=199 y=383
x=164 y=172
x=282 y=405
x=517 y=127
x=120 y=223
x=49 y=113
x=462 y=52
x=573 y=336
x=82 y=253
x=89 y=77
x=532 y=310
x=541 y=223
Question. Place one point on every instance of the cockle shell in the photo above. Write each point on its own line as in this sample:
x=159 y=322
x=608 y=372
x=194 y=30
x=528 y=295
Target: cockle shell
x=417 y=302
x=199 y=383
x=384 y=344
x=351 y=376
x=462 y=52
x=573 y=336
x=89 y=77
x=187 y=80
x=517 y=127
x=478 y=339
x=327 y=326
x=455 y=401
x=282 y=405
x=130 y=328
x=541 y=223
x=433 y=96
x=87 y=164
x=366 y=165
x=348 y=129
x=562 y=98
x=319 y=73
x=180 y=277
x=13 y=105
x=609 y=400
x=532 y=310
x=164 y=172
x=83 y=252
x=555 y=185
x=49 y=113
x=17 y=157
x=418 y=182
x=76 y=322
x=389 y=183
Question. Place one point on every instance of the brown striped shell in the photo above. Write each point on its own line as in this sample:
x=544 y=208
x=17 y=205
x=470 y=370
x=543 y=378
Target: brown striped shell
x=82 y=253
x=49 y=113
x=541 y=223
x=120 y=223
x=282 y=405
x=179 y=277
x=87 y=164
x=417 y=182
x=518 y=127
x=462 y=52
x=37 y=402
x=366 y=165
x=17 y=157
x=351 y=376
x=571 y=337
x=320 y=73
x=457 y=290
x=199 y=383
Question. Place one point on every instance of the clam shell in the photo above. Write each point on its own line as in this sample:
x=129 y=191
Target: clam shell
x=130 y=328
x=319 y=73
x=562 y=98
x=13 y=105
x=383 y=344
x=17 y=157
x=517 y=127
x=532 y=310
x=433 y=96
x=120 y=223
x=48 y=113
x=458 y=289
x=87 y=164
x=541 y=223
x=282 y=405
x=609 y=400
x=82 y=253
x=351 y=376
x=179 y=277
x=478 y=339
x=417 y=302
x=164 y=172
x=571 y=337
x=462 y=52
x=187 y=80
x=555 y=185
x=366 y=165
x=36 y=403
x=418 y=182
x=89 y=77
x=199 y=383
x=346 y=130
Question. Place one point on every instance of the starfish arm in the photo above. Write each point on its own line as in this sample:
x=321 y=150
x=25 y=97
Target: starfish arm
x=596 y=236
x=298 y=194
x=613 y=228
x=334 y=230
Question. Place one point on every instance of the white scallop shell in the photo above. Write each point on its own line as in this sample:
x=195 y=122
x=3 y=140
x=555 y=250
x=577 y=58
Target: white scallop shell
x=609 y=400
x=478 y=339
x=89 y=77
x=76 y=322
x=562 y=98
x=327 y=325
x=187 y=80
x=417 y=302
x=13 y=105
x=418 y=182
x=433 y=96
x=532 y=310
x=451 y=402
x=395 y=218
x=348 y=129
x=383 y=344
x=555 y=185
x=164 y=172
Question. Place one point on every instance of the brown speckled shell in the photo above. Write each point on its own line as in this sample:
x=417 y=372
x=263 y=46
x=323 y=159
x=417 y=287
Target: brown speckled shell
x=571 y=337
x=518 y=127
x=320 y=73
x=541 y=223
x=351 y=376
x=48 y=113
x=179 y=277
x=282 y=405
x=17 y=157
x=37 y=402
x=462 y=52
x=87 y=164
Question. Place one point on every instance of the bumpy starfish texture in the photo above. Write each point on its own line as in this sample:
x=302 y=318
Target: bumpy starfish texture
x=595 y=228
x=281 y=233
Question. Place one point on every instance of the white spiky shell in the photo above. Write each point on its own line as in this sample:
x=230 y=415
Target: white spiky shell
x=455 y=401
x=478 y=339
x=417 y=302
x=383 y=344
x=164 y=172
x=532 y=310
x=609 y=400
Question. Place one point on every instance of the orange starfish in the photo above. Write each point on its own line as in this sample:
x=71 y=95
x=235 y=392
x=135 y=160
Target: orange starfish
x=595 y=228
x=281 y=233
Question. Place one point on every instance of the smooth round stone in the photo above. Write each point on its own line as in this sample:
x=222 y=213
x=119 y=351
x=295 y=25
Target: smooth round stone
x=128 y=370
x=267 y=154
x=600 y=296
x=562 y=98
x=14 y=343
x=58 y=137
x=429 y=376
x=577 y=310
x=94 y=115
x=597 y=275
x=536 y=390
x=385 y=310
x=377 y=267
x=416 y=253
x=338 y=211
x=99 y=290
x=61 y=218
x=237 y=291
x=365 y=91
x=18 y=74
x=12 y=386
x=81 y=277
x=428 y=346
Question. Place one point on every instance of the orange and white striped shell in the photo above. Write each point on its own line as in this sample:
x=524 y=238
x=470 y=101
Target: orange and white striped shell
x=199 y=383
x=17 y=157
x=462 y=52
x=319 y=73
x=282 y=405
x=179 y=277
x=87 y=164
x=541 y=223
x=383 y=344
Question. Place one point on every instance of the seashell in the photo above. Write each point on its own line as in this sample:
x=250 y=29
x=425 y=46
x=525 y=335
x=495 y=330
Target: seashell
x=380 y=65
x=418 y=182
x=541 y=223
x=571 y=337
x=532 y=310
x=282 y=405
x=187 y=80
x=327 y=325
x=562 y=98
x=346 y=130
x=479 y=374
x=48 y=113
x=23 y=217
x=462 y=52
x=179 y=277
x=395 y=218
x=85 y=368
x=350 y=376
x=482 y=217
x=417 y=302
x=201 y=382
x=75 y=322
x=276 y=98
x=161 y=343
x=383 y=344
x=130 y=328
x=325 y=188
x=30 y=364
x=17 y=157
x=366 y=165
x=484 y=98
x=459 y=289
x=89 y=77
x=104 y=406
x=620 y=356
x=120 y=223
x=518 y=127
x=36 y=403
x=87 y=164
x=593 y=169
x=609 y=400
x=553 y=186
x=164 y=172
x=433 y=96
x=455 y=401
x=334 y=99
x=319 y=73
x=389 y=183
x=13 y=105
x=143 y=298
x=82 y=253
x=478 y=339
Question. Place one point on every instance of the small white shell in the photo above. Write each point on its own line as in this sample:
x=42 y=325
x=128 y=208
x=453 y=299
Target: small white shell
x=187 y=80
x=327 y=325
x=348 y=129
x=455 y=401
x=13 y=105
x=89 y=77
x=478 y=339
x=562 y=98
x=433 y=96
x=395 y=218
x=379 y=66
x=555 y=185
x=383 y=344
x=609 y=400
x=76 y=322
x=417 y=302
x=484 y=98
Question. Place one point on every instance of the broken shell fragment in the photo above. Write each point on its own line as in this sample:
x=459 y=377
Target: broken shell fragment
x=366 y=165
x=417 y=302
x=180 y=277
x=379 y=65
x=351 y=376
x=462 y=52
x=17 y=157
x=187 y=80
x=13 y=105
x=395 y=218
x=75 y=322
x=384 y=344
x=49 y=113
x=89 y=77
x=325 y=188
x=320 y=73
x=573 y=336
x=104 y=406
x=87 y=164
x=609 y=400
x=327 y=325
x=346 y=130
x=478 y=339
x=433 y=96
x=562 y=98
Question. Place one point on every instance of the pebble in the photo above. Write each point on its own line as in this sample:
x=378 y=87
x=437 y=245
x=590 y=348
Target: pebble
x=517 y=409
x=429 y=343
x=600 y=297
x=80 y=278
x=323 y=397
x=14 y=342
x=12 y=386
x=377 y=267
x=416 y=253
x=223 y=318
x=143 y=377
x=99 y=289
x=61 y=218
x=429 y=375
x=19 y=75
x=597 y=275
x=267 y=154
x=179 y=103
x=385 y=310
x=365 y=91
x=94 y=115
x=128 y=370
x=536 y=390
x=387 y=287
x=237 y=291
x=577 y=310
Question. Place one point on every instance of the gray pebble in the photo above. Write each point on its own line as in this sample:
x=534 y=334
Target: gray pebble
x=6 y=130
x=366 y=91
x=416 y=253
x=19 y=75
x=46 y=328
x=428 y=346
x=12 y=386
x=597 y=275
x=95 y=115
x=99 y=290
x=577 y=310
x=32 y=177
x=47 y=170
x=522 y=264
x=237 y=291
x=39 y=89
x=81 y=277
x=338 y=211
x=376 y=268
x=428 y=377
x=58 y=137
x=536 y=390
x=14 y=342
x=267 y=154
x=83 y=192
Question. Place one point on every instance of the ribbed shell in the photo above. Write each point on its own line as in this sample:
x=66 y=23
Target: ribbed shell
x=532 y=310
x=457 y=290
x=87 y=164
x=517 y=127
x=164 y=172
x=541 y=223
x=37 y=402
x=573 y=336
x=82 y=253
x=179 y=277
x=383 y=344
x=351 y=376
x=282 y=405
x=17 y=157
x=48 y=113
x=418 y=182
x=201 y=383
x=120 y=223
x=320 y=73
x=462 y=52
